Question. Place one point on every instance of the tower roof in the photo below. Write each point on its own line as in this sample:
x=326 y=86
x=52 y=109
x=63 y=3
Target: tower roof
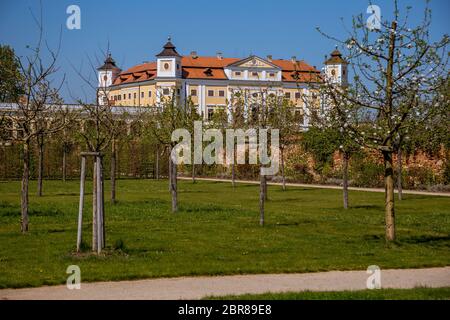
x=169 y=50
x=109 y=64
x=336 y=58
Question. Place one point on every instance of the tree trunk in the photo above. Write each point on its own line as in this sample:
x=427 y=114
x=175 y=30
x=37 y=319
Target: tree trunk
x=40 y=166
x=389 y=196
x=233 y=175
x=174 y=188
x=102 y=202
x=262 y=197
x=157 y=163
x=24 y=189
x=399 y=174
x=170 y=171
x=94 y=207
x=266 y=194
x=113 y=171
x=64 y=164
x=345 y=178
x=282 y=169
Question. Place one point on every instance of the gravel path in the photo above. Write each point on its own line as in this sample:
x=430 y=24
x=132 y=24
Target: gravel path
x=198 y=287
x=321 y=186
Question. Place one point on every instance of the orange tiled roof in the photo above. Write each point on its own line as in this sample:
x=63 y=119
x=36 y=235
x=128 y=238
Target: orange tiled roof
x=213 y=68
x=202 y=73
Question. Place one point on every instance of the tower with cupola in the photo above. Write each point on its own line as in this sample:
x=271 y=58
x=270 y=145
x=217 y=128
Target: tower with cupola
x=107 y=73
x=168 y=62
x=336 y=69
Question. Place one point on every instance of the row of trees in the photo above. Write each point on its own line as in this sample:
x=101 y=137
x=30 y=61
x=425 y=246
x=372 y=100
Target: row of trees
x=400 y=84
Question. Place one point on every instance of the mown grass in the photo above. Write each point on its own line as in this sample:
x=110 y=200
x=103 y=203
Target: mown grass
x=382 y=294
x=215 y=232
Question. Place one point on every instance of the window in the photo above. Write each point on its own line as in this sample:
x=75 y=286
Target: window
x=221 y=93
x=298 y=115
x=124 y=96
x=134 y=95
x=271 y=74
x=178 y=91
x=297 y=95
x=254 y=74
x=166 y=66
x=178 y=66
x=237 y=73
x=287 y=95
x=166 y=92
x=210 y=93
x=193 y=92
x=149 y=94
x=129 y=96
x=210 y=113
x=142 y=94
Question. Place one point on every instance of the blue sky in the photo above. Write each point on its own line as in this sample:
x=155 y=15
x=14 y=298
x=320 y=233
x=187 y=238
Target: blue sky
x=136 y=30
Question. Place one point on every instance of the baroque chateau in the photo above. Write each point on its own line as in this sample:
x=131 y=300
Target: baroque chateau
x=210 y=81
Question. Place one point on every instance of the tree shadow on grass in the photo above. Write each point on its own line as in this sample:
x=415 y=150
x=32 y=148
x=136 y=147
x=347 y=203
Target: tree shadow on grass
x=428 y=239
x=367 y=206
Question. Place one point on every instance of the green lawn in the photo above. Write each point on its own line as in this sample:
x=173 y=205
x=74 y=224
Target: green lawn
x=215 y=232
x=383 y=294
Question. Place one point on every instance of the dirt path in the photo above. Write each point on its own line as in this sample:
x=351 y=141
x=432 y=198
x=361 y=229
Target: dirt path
x=321 y=186
x=198 y=287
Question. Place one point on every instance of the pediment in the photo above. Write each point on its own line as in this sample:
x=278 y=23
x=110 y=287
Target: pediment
x=254 y=62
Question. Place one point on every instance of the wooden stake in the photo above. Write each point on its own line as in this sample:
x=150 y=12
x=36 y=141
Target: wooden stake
x=99 y=206
x=80 y=209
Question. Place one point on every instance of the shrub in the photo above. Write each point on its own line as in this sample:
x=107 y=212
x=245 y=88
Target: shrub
x=366 y=173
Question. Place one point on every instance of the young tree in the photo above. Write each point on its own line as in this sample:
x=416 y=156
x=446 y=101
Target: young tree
x=236 y=119
x=161 y=121
x=394 y=68
x=283 y=116
x=34 y=102
x=44 y=121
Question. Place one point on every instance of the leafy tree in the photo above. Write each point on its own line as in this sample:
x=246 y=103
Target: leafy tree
x=10 y=76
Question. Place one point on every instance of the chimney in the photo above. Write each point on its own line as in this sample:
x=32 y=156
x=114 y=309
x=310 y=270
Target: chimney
x=194 y=55
x=269 y=57
x=219 y=55
x=294 y=59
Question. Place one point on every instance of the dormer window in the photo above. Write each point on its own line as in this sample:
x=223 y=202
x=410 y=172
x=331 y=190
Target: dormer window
x=272 y=74
x=254 y=74
x=166 y=66
x=208 y=72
